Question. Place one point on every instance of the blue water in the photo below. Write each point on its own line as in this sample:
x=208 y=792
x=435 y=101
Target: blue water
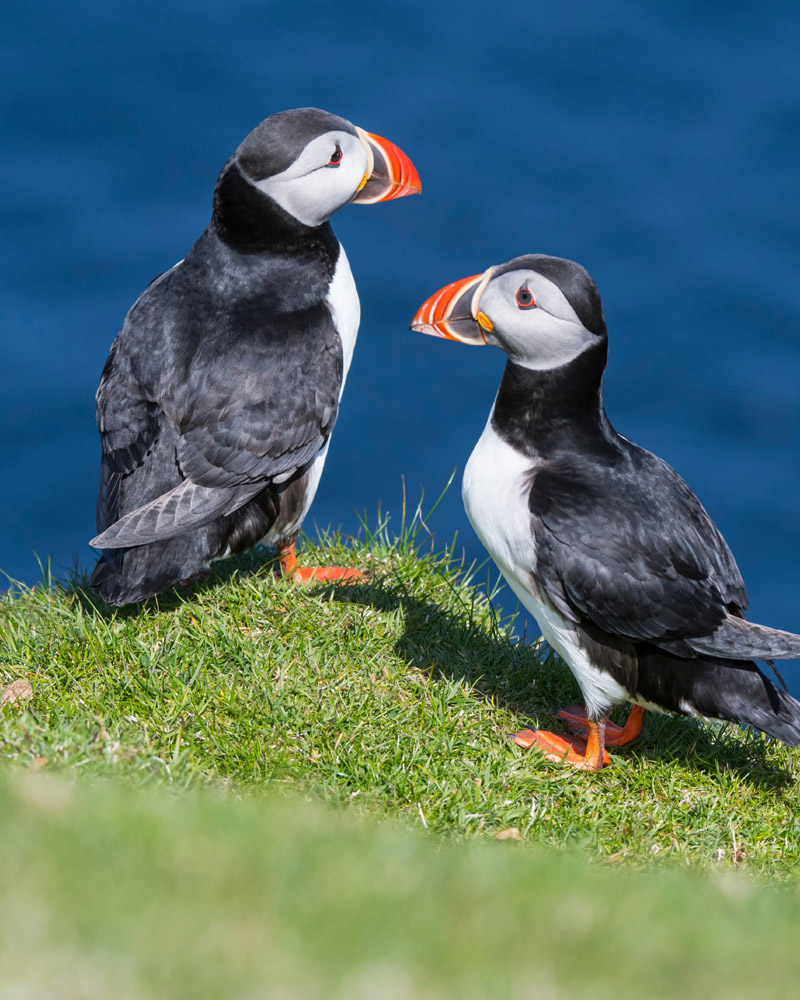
x=656 y=143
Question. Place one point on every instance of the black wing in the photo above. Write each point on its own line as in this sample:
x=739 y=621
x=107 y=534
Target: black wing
x=265 y=408
x=128 y=422
x=628 y=546
x=248 y=398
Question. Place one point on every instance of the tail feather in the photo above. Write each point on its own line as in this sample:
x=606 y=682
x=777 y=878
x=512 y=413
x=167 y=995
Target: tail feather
x=720 y=689
x=128 y=576
x=771 y=710
x=738 y=639
x=113 y=580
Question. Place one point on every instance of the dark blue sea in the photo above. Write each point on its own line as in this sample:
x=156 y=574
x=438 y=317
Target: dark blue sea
x=658 y=143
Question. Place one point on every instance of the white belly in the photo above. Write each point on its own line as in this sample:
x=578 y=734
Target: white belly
x=496 y=486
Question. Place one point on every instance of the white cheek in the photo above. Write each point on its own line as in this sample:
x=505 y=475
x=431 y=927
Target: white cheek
x=541 y=338
x=314 y=197
x=552 y=343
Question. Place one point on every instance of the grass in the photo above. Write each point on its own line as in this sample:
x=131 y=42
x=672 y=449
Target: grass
x=111 y=892
x=349 y=744
x=394 y=696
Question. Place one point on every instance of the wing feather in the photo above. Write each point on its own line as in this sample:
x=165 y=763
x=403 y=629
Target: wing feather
x=193 y=427
x=183 y=508
x=629 y=547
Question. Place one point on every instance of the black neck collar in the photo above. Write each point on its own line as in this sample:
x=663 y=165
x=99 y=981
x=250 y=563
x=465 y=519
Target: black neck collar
x=247 y=220
x=546 y=413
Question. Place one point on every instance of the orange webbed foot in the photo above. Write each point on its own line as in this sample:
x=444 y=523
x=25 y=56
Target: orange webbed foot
x=315 y=574
x=332 y=574
x=573 y=751
x=615 y=736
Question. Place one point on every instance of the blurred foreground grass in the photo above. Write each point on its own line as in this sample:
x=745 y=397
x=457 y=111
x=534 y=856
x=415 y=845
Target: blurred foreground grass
x=108 y=892
x=170 y=854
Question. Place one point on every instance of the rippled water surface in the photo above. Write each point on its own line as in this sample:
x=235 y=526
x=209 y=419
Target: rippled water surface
x=656 y=143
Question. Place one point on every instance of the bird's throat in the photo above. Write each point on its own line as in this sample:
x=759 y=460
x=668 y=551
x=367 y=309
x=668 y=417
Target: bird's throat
x=543 y=413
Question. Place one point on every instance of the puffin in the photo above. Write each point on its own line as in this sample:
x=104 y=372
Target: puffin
x=627 y=576
x=220 y=393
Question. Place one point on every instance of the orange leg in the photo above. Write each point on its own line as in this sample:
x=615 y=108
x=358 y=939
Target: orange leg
x=288 y=559
x=309 y=574
x=616 y=736
x=574 y=751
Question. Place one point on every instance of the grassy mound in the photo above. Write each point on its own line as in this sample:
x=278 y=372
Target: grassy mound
x=392 y=697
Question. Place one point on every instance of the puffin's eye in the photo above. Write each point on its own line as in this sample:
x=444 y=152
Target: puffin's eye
x=525 y=299
x=336 y=157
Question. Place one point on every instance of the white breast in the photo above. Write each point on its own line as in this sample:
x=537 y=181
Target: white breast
x=496 y=486
x=495 y=490
x=345 y=309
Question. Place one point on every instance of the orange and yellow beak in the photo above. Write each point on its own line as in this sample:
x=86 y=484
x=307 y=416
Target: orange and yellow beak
x=389 y=174
x=454 y=311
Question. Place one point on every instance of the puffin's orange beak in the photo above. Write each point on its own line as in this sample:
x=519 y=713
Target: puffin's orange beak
x=389 y=174
x=453 y=311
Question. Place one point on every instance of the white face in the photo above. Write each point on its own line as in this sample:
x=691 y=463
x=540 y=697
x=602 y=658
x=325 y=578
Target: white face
x=533 y=321
x=323 y=178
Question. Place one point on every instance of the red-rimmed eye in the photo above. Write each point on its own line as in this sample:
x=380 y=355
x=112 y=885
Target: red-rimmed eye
x=336 y=158
x=525 y=299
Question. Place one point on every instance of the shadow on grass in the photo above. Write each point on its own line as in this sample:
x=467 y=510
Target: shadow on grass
x=534 y=683
x=256 y=562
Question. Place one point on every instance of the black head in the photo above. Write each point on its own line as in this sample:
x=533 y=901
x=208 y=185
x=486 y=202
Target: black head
x=298 y=167
x=295 y=169
x=573 y=281
x=277 y=142
x=542 y=311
